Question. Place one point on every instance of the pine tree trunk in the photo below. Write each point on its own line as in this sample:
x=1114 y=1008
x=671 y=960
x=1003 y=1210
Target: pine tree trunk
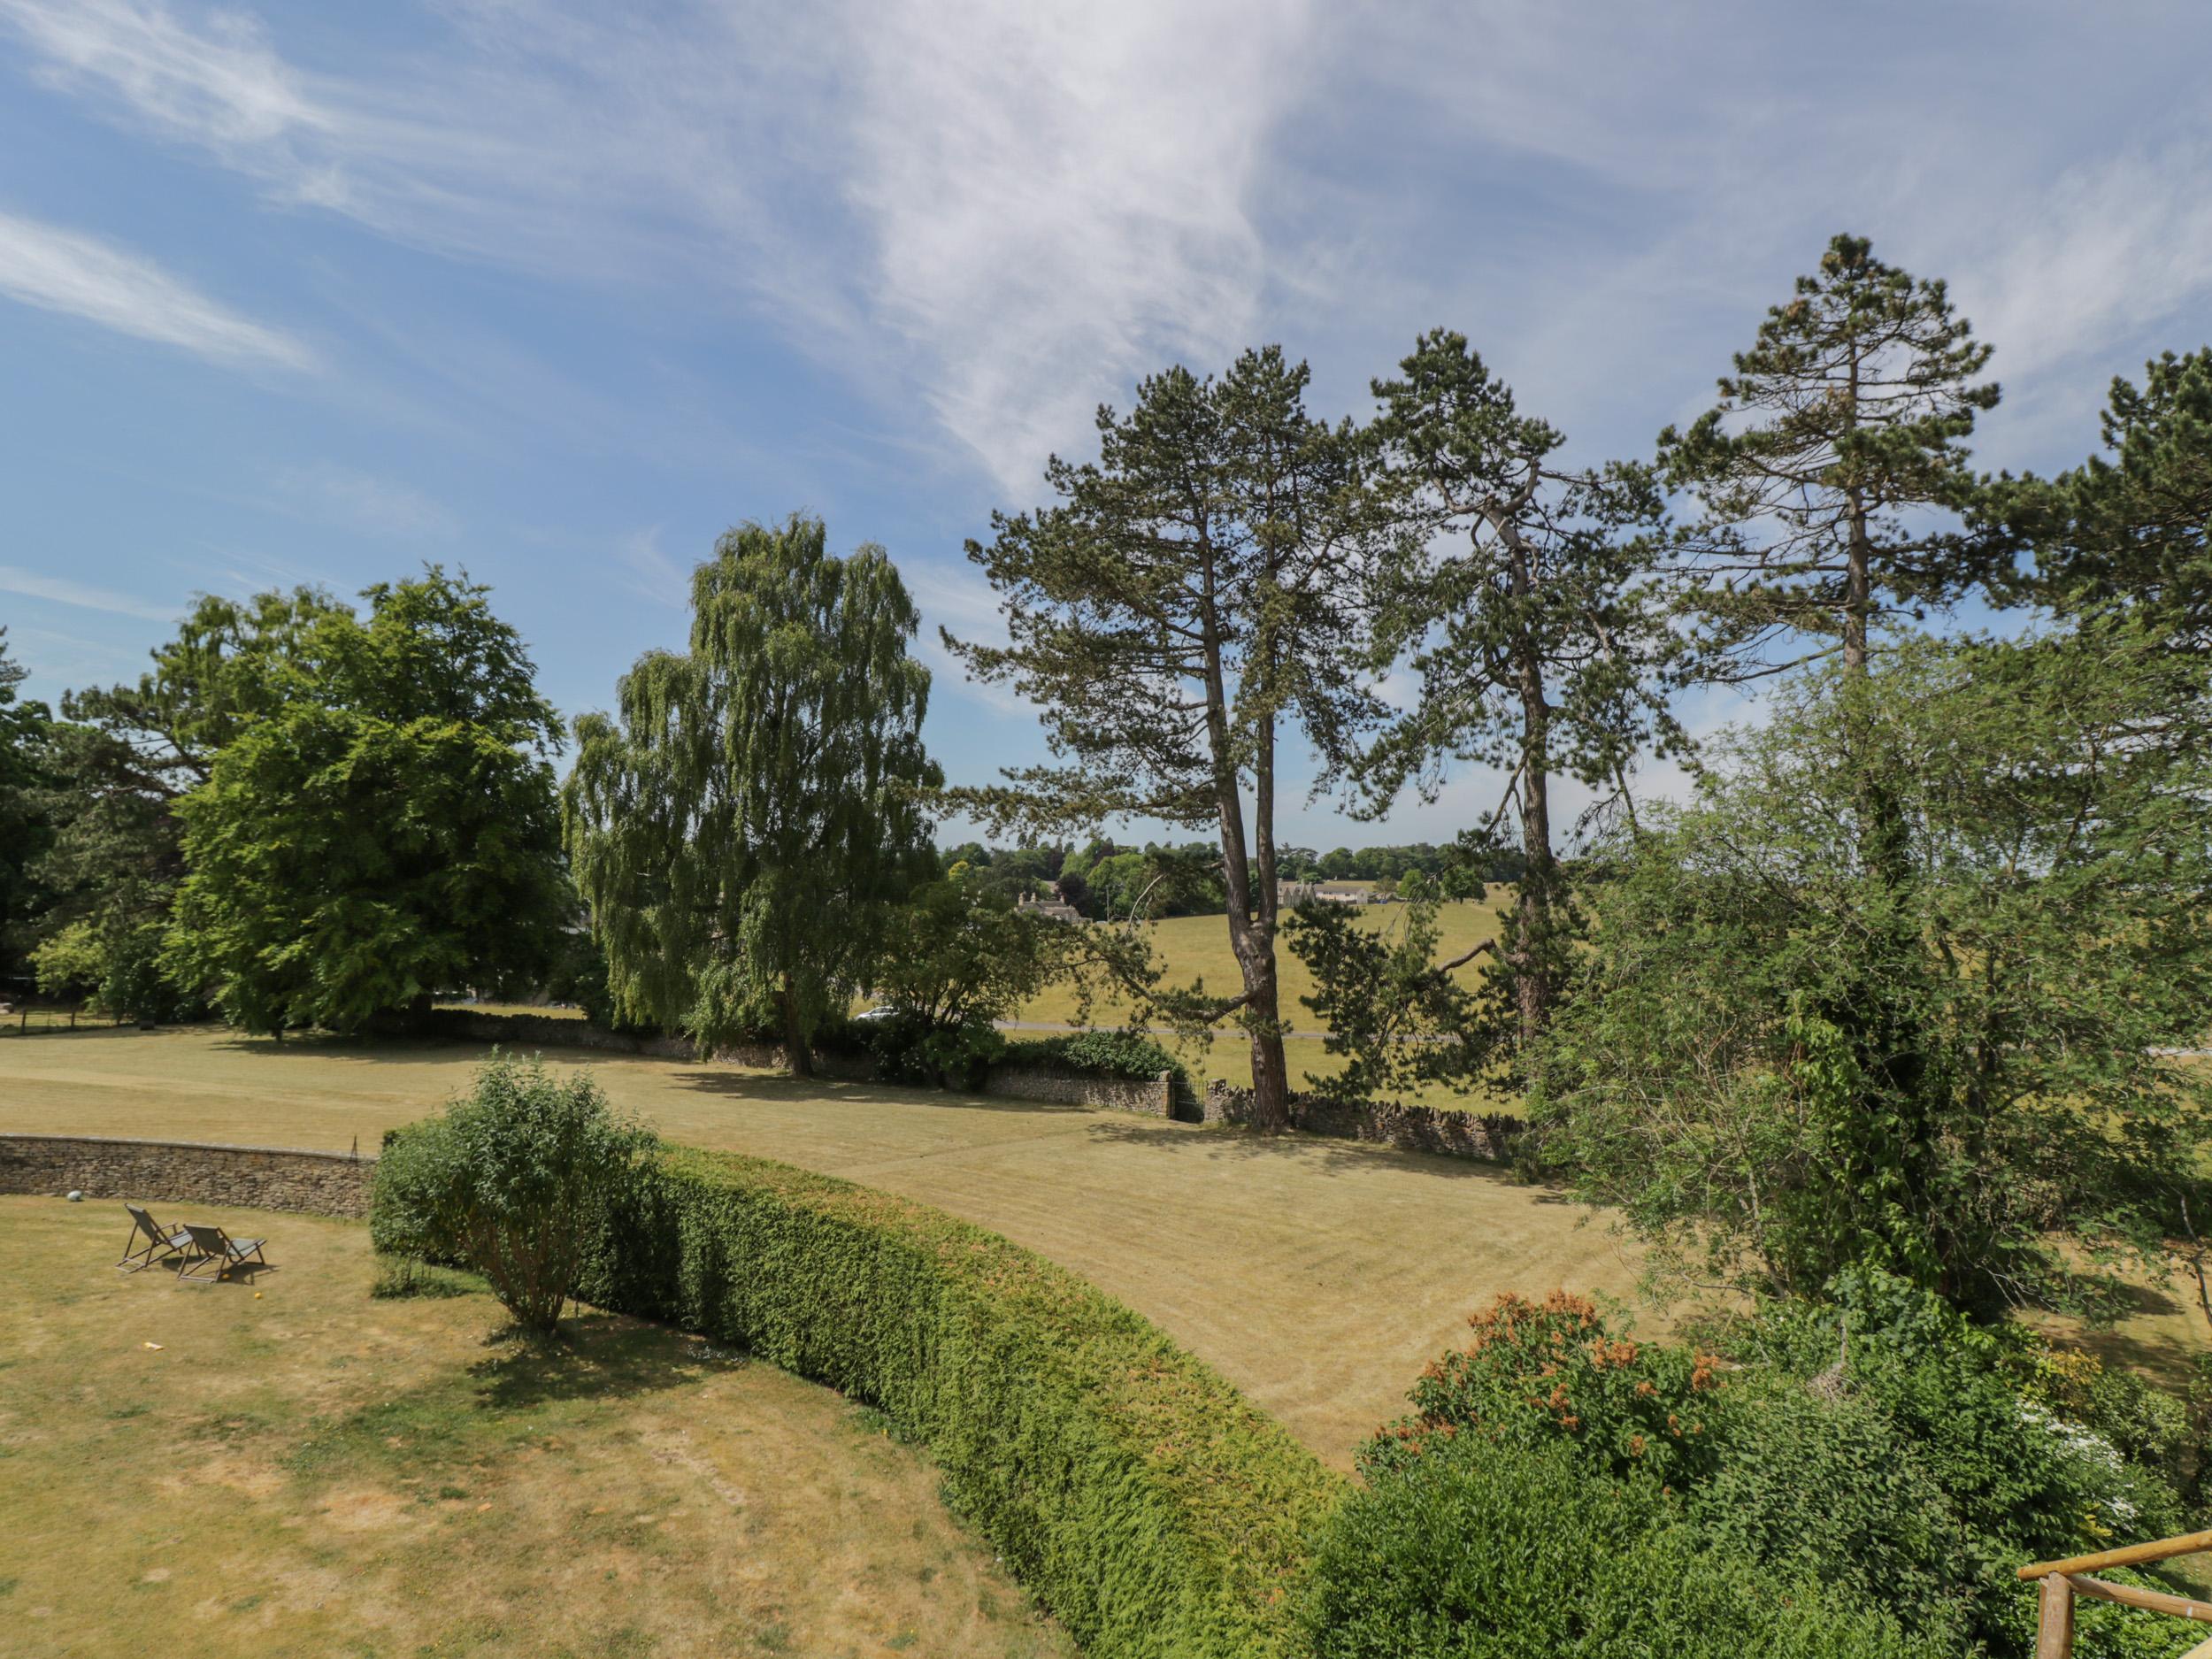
x=1530 y=959
x=798 y=1058
x=1271 y=1074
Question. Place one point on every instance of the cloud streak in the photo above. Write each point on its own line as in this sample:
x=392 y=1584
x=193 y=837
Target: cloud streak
x=57 y=590
x=66 y=270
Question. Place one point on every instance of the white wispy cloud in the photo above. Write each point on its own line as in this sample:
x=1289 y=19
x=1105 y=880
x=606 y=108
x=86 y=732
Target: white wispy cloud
x=67 y=270
x=58 y=590
x=650 y=572
x=380 y=506
x=1006 y=211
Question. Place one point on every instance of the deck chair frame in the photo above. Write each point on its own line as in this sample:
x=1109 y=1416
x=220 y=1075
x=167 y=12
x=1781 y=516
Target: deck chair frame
x=150 y=1241
x=213 y=1246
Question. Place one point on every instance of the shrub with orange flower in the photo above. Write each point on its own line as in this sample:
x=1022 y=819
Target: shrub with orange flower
x=1561 y=1370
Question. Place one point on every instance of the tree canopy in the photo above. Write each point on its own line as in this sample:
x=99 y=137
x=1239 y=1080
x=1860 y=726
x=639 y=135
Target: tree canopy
x=743 y=825
x=2044 y=932
x=1538 y=640
x=1845 y=420
x=378 y=823
x=1195 y=592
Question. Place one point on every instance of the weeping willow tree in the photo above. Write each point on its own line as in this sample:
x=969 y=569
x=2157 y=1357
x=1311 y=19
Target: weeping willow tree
x=743 y=825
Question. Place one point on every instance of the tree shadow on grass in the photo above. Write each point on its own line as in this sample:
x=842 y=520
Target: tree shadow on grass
x=816 y=1091
x=1324 y=1155
x=593 y=1355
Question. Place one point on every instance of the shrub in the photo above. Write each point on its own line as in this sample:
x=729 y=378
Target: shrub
x=1554 y=1373
x=1877 y=1443
x=1147 y=1503
x=910 y=1050
x=1474 y=1549
x=515 y=1181
x=1829 y=1488
x=1123 y=1054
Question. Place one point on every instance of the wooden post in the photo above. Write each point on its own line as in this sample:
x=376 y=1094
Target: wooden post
x=2054 y=1620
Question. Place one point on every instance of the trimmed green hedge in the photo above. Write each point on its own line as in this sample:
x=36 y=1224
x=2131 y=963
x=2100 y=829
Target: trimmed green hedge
x=1152 y=1508
x=1122 y=1054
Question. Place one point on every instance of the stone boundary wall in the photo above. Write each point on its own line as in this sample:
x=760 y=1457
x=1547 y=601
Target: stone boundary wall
x=1486 y=1136
x=187 y=1172
x=1150 y=1095
x=1153 y=1096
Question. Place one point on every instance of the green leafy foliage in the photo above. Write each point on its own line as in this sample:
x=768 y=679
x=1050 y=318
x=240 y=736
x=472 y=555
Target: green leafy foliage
x=517 y=1181
x=1123 y=1054
x=959 y=955
x=745 y=824
x=379 y=825
x=1150 y=1506
x=1795 y=1053
x=1876 y=1442
x=1478 y=1551
x=1400 y=1018
x=25 y=728
x=1555 y=1372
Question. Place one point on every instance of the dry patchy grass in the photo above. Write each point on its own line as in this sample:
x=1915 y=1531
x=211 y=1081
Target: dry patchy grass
x=1196 y=948
x=1317 y=1276
x=314 y=1471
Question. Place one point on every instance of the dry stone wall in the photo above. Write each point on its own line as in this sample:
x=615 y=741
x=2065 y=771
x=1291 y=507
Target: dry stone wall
x=1153 y=1096
x=188 y=1172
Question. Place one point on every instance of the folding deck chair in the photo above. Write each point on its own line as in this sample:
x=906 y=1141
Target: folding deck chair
x=213 y=1246
x=151 y=1242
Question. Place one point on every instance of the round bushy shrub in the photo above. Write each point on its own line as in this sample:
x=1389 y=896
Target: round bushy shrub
x=1477 y=1550
x=1557 y=1372
x=514 y=1181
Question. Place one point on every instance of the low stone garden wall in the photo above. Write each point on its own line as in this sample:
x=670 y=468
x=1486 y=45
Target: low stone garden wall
x=1482 y=1136
x=1153 y=1096
x=187 y=1172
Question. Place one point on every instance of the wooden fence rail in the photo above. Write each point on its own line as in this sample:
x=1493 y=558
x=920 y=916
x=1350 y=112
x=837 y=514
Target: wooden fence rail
x=2064 y=1580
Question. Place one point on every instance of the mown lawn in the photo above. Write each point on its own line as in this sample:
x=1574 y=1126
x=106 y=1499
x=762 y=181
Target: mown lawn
x=1318 y=1276
x=311 y=1471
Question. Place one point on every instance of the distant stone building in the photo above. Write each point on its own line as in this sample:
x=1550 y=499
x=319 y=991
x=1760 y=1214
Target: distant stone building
x=1290 y=894
x=1051 y=909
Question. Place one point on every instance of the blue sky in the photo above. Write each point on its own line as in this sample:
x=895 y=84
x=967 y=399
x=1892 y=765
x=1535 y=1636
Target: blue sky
x=314 y=294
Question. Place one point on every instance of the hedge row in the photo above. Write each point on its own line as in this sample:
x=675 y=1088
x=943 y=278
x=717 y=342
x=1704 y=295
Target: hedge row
x=1143 y=1500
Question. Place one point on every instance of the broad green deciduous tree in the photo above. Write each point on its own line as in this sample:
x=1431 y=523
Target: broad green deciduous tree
x=1540 y=649
x=743 y=824
x=25 y=728
x=1194 y=596
x=1838 y=439
x=383 y=828
x=121 y=759
x=2039 y=932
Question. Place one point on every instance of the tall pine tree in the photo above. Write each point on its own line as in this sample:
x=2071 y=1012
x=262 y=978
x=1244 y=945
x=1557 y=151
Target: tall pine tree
x=1195 y=596
x=1541 y=649
x=1837 y=434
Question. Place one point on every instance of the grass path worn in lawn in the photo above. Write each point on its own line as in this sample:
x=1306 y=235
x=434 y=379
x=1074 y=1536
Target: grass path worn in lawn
x=1317 y=1276
x=317 y=1472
